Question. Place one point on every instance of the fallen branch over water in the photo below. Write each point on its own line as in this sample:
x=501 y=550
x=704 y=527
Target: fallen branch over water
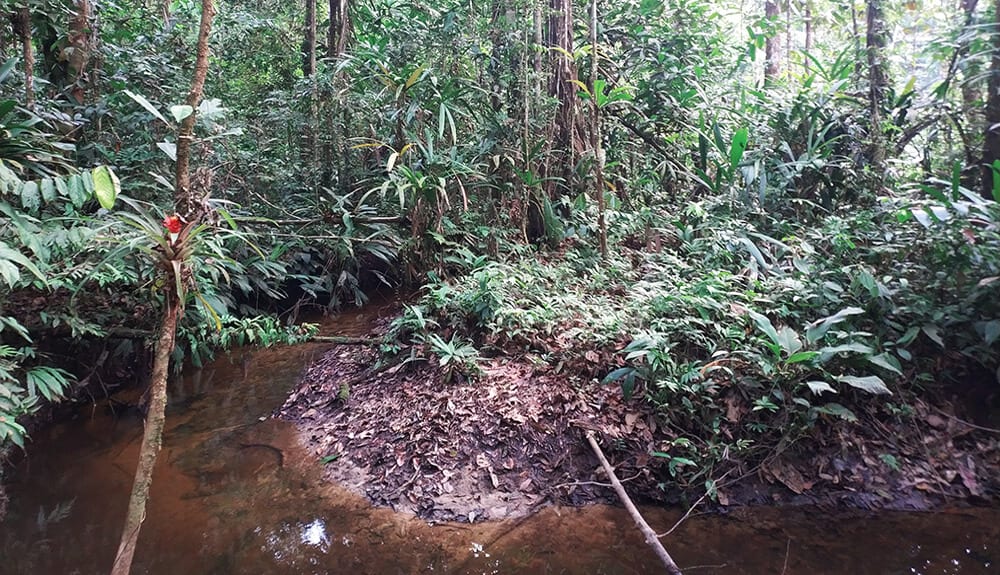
x=345 y=340
x=647 y=531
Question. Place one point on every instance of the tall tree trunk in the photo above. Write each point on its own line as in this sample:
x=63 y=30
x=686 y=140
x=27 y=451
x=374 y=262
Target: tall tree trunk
x=190 y=207
x=877 y=83
x=595 y=134
x=309 y=43
x=339 y=31
x=561 y=87
x=991 y=144
x=309 y=148
x=81 y=43
x=189 y=204
x=772 y=50
x=536 y=21
x=23 y=30
x=807 y=50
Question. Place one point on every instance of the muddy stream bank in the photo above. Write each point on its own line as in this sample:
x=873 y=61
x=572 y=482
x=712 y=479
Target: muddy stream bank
x=236 y=491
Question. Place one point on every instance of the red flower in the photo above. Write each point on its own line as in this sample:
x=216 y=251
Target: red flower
x=172 y=223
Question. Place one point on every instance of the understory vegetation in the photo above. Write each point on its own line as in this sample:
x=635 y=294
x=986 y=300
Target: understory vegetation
x=769 y=221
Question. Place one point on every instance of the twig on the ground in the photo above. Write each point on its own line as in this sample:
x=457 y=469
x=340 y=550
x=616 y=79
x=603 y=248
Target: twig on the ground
x=788 y=547
x=962 y=421
x=647 y=531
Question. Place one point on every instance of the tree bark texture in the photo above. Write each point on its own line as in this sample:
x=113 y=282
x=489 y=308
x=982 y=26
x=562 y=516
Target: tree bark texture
x=991 y=144
x=877 y=82
x=80 y=41
x=152 y=437
x=772 y=49
x=561 y=87
x=309 y=44
x=339 y=31
x=23 y=29
x=189 y=205
x=595 y=134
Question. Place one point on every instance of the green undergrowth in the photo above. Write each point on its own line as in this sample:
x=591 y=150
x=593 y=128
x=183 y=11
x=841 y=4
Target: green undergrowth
x=743 y=333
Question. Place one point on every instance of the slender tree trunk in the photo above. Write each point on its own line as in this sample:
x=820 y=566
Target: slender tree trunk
x=536 y=21
x=807 y=50
x=595 y=134
x=772 y=50
x=190 y=208
x=991 y=144
x=189 y=204
x=562 y=88
x=339 y=31
x=877 y=83
x=309 y=44
x=24 y=31
x=152 y=437
x=80 y=40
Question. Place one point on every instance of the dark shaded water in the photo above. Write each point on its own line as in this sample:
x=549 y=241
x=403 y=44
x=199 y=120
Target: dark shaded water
x=235 y=493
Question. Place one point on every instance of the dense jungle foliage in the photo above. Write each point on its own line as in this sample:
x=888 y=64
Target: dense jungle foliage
x=769 y=219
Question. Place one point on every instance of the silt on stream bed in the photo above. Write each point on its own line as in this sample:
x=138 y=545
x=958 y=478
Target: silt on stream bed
x=236 y=492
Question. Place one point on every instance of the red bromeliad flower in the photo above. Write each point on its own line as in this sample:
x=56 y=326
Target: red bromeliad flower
x=172 y=223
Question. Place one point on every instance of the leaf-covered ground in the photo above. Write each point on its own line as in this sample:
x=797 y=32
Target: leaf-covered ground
x=512 y=439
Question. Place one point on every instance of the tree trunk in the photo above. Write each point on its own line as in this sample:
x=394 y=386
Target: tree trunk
x=81 y=43
x=595 y=134
x=339 y=31
x=809 y=36
x=189 y=204
x=772 y=50
x=562 y=88
x=309 y=44
x=152 y=437
x=23 y=26
x=991 y=145
x=191 y=208
x=877 y=83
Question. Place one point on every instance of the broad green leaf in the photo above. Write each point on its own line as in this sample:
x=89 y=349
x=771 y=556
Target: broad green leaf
x=933 y=332
x=991 y=331
x=77 y=192
x=886 y=361
x=145 y=104
x=31 y=200
x=106 y=186
x=817 y=329
x=838 y=410
x=181 y=111
x=739 y=145
x=48 y=189
x=801 y=356
x=5 y=71
x=169 y=148
x=789 y=340
x=764 y=325
x=996 y=180
x=870 y=383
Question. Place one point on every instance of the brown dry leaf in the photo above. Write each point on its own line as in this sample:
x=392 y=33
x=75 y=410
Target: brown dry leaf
x=791 y=478
x=967 y=469
x=936 y=421
x=734 y=409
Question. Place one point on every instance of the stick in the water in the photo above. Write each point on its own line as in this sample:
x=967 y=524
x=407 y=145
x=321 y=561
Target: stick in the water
x=647 y=531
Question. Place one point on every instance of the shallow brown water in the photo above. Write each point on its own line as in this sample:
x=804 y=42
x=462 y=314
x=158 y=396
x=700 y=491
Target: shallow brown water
x=233 y=494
